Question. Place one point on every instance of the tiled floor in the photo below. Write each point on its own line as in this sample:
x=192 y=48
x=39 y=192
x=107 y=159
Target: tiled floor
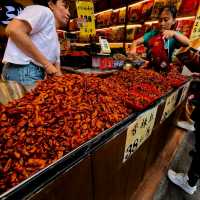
x=181 y=163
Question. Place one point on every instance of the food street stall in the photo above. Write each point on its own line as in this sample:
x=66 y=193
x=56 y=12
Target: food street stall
x=104 y=165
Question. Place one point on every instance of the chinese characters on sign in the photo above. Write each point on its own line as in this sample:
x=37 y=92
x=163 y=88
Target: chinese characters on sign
x=139 y=131
x=184 y=92
x=196 y=28
x=86 y=16
x=170 y=105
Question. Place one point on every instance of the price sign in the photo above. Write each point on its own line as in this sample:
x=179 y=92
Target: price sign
x=139 y=131
x=184 y=92
x=170 y=105
x=85 y=12
x=105 y=47
x=196 y=28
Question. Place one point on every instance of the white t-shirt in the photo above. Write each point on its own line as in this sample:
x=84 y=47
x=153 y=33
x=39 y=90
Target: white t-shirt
x=43 y=35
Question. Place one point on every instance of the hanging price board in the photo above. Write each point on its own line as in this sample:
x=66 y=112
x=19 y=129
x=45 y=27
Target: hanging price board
x=85 y=12
x=184 y=92
x=139 y=131
x=196 y=28
x=170 y=105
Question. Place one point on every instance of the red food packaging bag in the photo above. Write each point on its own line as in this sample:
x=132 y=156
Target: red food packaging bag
x=185 y=26
x=159 y=56
x=188 y=7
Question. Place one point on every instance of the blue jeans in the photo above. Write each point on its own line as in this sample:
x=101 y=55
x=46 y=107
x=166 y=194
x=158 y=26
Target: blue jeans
x=24 y=74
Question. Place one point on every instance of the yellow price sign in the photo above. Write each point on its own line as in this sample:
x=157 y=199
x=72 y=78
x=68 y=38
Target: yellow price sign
x=196 y=27
x=85 y=12
x=139 y=131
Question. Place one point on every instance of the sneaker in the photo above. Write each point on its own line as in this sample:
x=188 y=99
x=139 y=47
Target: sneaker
x=181 y=180
x=186 y=125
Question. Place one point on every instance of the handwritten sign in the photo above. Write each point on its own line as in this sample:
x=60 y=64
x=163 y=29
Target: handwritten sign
x=184 y=92
x=170 y=105
x=139 y=131
x=85 y=12
x=196 y=28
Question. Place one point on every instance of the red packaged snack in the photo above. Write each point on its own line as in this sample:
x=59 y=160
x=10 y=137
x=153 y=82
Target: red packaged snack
x=134 y=13
x=146 y=10
x=115 y=17
x=139 y=31
x=159 y=57
x=188 y=7
x=141 y=51
x=130 y=34
x=122 y=15
x=103 y=19
x=118 y=34
x=73 y=26
x=185 y=26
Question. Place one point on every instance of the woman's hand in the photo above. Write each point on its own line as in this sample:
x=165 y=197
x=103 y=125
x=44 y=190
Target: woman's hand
x=168 y=34
x=180 y=37
x=145 y=66
x=51 y=69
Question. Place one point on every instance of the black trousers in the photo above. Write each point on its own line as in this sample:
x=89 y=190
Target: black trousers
x=194 y=171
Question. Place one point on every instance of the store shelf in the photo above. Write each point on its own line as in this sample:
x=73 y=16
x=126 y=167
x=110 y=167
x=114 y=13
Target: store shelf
x=185 y=18
x=110 y=27
x=80 y=44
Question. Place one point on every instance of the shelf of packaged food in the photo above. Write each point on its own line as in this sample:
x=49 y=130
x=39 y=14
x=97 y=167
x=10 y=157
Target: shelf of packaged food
x=185 y=18
x=113 y=27
x=79 y=44
x=138 y=25
x=115 y=10
x=124 y=7
x=119 y=26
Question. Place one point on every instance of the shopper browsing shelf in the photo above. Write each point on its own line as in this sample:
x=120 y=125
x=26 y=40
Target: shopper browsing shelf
x=162 y=42
x=33 y=48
